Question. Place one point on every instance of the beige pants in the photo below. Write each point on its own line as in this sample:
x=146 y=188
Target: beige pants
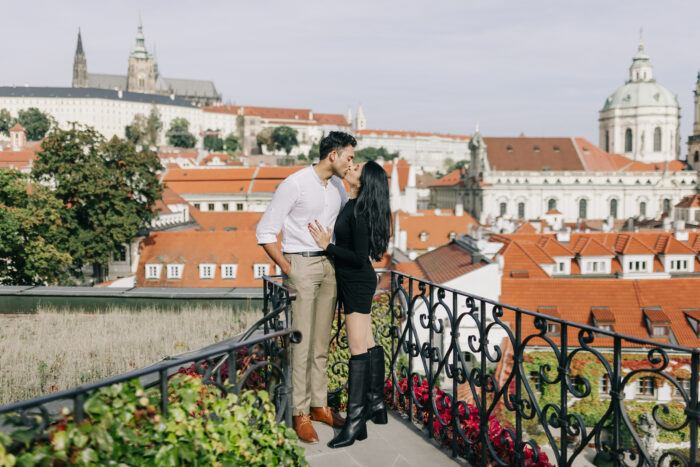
x=312 y=314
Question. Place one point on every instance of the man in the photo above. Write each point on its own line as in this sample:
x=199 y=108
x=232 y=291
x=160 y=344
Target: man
x=313 y=193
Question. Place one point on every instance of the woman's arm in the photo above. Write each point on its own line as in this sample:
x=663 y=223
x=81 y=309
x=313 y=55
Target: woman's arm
x=359 y=254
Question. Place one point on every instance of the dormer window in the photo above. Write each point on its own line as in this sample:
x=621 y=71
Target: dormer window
x=603 y=318
x=692 y=315
x=174 y=271
x=537 y=149
x=153 y=271
x=452 y=235
x=553 y=327
x=423 y=236
x=228 y=271
x=260 y=270
x=206 y=271
x=509 y=148
x=657 y=322
x=556 y=148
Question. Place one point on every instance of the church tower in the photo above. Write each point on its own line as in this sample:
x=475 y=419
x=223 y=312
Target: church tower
x=80 y=74
x=360 y=121
x=694 y=140
x=142 y=75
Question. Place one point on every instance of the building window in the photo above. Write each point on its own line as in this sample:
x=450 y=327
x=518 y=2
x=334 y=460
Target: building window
x=667 y=206
x=553 y=329
x=607 y=141
x=153 y=271
x=583 y=209
x=657 y=139
x=423 y=236
x=210 y=206
x=521 y=210
x=120 y=254
x=628 y=140
x=604 y=384
x=502 y=209
x=643 y=209
x=228 y=271
x=174 y=271
x=196 y=205
x=536 y=381
x=206 y=271
x=659 y=331
x=224 y=207
x=551 y=204
x=685 y=384
x=260 y=270
x=645 y=386
x=452 y=235
x=613 y=208
x=696 y=157
x=239 y=206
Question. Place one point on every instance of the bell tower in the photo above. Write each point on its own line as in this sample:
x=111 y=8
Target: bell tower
x=142 y=74
x=80 y=74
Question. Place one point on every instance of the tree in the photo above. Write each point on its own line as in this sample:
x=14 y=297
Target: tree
x=314 y=152
x=35 y=122
x=452 y=165
x=372 y=154
x=264 y=138
x=5 y=122
x=179 y=134
x=34 y=237
x=212 y=142
x=232 y=143
x=136 y=132
x=284 y=138
x=108 y=188
x=153 y=126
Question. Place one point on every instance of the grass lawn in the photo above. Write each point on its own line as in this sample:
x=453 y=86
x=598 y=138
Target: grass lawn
x=53 y=350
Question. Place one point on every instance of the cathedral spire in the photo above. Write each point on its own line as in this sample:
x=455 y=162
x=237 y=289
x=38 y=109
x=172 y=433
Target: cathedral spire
x=80 y=74
x=139 y=50
x=641 y=69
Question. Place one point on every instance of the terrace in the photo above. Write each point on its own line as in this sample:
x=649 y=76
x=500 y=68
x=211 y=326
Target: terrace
x=470 y=381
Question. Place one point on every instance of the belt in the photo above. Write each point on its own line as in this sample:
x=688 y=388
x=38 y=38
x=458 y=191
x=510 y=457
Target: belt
x=309 y=254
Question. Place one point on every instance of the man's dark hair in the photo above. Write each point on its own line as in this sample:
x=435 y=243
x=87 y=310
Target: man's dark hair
x=335 y=141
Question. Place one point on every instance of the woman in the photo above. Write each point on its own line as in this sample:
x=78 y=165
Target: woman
x=362 y=231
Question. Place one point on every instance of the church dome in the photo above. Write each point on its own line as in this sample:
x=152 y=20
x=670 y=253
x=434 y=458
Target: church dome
x=641 y=90
x=640 y=94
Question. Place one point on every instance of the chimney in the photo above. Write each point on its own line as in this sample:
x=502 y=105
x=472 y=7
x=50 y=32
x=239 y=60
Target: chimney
x=667 y=224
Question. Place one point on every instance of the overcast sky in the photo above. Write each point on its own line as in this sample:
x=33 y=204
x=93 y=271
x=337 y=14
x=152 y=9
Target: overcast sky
x=539 y=67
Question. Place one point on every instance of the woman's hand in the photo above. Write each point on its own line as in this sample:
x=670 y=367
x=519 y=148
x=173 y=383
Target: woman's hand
x=321 y=236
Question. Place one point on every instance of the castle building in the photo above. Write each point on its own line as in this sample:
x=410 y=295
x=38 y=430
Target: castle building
x=143 y=76
x=694 y=139
x=641 y=119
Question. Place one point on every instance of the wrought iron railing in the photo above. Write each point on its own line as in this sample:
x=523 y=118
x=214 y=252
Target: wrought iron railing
x=268 y=341
x=458 y=362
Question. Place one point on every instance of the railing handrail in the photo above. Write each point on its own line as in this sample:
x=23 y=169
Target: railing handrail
x=153 y=369
x=586 y=327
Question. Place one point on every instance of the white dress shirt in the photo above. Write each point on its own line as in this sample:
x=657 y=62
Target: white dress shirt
x=301 y=198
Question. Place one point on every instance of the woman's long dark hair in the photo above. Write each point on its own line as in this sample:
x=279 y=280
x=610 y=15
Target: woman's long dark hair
x=373 y=205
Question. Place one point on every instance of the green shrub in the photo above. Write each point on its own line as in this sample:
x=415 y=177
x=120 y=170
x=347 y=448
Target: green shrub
x=124 y=425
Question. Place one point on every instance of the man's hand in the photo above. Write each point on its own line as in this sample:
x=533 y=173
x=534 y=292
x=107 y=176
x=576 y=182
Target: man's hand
x=274 y=252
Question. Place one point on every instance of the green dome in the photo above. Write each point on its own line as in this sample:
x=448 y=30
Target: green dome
x=640 y=94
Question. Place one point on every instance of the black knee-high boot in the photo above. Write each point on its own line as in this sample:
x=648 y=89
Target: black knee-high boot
x=376 y=410
x=355 y=427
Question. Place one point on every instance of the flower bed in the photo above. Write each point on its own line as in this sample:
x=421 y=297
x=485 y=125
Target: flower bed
x=469 y=423
x=124 y=425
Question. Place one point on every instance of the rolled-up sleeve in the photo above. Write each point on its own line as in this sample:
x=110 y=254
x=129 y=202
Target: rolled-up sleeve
x=272 y=221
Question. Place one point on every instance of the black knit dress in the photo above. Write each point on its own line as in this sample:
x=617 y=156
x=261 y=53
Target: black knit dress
x=355 y=275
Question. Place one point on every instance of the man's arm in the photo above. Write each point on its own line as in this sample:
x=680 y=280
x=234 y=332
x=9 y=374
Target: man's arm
x=274 y=252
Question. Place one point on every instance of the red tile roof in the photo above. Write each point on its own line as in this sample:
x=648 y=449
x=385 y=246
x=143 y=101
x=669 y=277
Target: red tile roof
x=262 y=112
x=226 y=221
x=192 y=248
x=402 y=168
x=18 y=127
x=588 y=246
x=595 y=159
x=331 y=119
x=451 y=179
x=630 y=245
x=411 y=134
x=575 y=298
x=532 y=154
x=437 y=227
x=692 y=201
x=448 y=262
x=603 y=314
x=553 y=247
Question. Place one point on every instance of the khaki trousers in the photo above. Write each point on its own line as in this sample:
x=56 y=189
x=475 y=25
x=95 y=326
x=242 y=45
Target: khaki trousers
x=312 y=314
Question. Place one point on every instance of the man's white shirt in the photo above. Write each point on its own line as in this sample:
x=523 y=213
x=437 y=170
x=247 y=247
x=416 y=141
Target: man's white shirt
x=302 y=198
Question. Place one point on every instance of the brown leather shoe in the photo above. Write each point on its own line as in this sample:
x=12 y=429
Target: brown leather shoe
x=327 y=416
x=305 y=431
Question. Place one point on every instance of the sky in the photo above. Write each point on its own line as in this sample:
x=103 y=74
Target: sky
x=542 y=68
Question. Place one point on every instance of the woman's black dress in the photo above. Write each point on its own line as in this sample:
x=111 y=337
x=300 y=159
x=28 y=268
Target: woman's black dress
x=355 y=275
